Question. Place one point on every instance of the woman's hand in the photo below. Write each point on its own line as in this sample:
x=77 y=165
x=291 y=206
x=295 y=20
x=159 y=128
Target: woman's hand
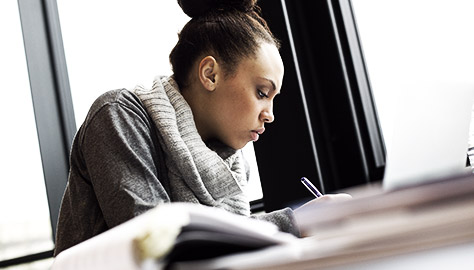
x=329 y=198
x=320 y=202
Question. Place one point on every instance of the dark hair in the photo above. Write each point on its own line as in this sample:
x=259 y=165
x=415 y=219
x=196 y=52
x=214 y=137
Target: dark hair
x=229 y=30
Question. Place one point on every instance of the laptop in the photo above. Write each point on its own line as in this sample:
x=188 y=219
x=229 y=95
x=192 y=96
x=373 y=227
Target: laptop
x=430 y=134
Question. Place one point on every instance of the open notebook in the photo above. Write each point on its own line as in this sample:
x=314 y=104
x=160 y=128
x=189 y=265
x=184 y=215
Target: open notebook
x=431 y=133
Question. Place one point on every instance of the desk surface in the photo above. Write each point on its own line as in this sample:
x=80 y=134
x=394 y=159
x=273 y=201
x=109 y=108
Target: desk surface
x=457 y=257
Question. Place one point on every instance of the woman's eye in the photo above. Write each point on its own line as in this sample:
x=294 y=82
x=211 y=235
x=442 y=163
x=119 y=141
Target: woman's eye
x=261 y=94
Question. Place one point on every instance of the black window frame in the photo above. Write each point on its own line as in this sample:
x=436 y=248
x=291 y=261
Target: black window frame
x=52 y=103
x=326 y=126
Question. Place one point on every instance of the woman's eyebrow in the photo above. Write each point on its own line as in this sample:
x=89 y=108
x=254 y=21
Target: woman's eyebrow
x=271 y=82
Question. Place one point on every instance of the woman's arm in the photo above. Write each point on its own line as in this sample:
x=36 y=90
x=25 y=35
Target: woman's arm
x=122 y=157
x=117 y=170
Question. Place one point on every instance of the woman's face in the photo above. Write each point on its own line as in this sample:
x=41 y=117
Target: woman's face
x=243 y=102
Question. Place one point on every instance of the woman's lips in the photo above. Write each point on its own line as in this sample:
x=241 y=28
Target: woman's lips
x=256 y=133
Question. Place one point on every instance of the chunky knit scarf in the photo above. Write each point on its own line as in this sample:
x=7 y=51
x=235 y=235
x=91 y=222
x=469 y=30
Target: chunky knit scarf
x=212 y=174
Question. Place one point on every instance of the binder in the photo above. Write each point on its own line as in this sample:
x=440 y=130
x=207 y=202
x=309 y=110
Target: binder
x=170 y=233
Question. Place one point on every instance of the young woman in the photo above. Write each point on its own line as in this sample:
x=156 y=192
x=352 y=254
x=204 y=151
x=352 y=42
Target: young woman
x=179 y=141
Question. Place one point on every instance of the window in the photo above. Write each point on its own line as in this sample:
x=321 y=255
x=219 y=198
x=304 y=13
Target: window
x=406 y=41
x=119 y=45
x=326 y=125
x=25 y=226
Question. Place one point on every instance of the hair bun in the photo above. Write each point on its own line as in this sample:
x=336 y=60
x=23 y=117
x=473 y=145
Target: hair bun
x=196 y=8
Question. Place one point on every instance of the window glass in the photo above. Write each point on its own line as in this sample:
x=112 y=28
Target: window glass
x=406 y=41
x=112 y=44
x=25 y=226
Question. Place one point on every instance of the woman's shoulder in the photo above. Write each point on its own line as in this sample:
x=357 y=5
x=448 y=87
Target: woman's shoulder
x=116 y=110
x=113 y=105
x=122 y=97
x=117 y=99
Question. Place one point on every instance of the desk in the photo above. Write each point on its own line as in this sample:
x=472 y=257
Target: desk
x=458 y=257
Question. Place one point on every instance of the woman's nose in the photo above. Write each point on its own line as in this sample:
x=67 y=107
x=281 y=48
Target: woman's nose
x=267 y=115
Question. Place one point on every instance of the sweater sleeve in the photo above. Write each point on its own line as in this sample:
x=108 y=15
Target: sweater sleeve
x=284 y=219
x=120 y=154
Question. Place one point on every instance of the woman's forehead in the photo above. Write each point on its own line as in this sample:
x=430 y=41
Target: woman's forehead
x=267 y=64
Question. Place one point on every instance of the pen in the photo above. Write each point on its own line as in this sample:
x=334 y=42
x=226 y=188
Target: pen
x=311 y=187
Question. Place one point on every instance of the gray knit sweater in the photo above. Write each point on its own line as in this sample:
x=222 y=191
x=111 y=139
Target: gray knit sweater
x=211 y=173
x=118 y=171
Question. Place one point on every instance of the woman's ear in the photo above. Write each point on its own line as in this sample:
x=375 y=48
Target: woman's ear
x=208 y=68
